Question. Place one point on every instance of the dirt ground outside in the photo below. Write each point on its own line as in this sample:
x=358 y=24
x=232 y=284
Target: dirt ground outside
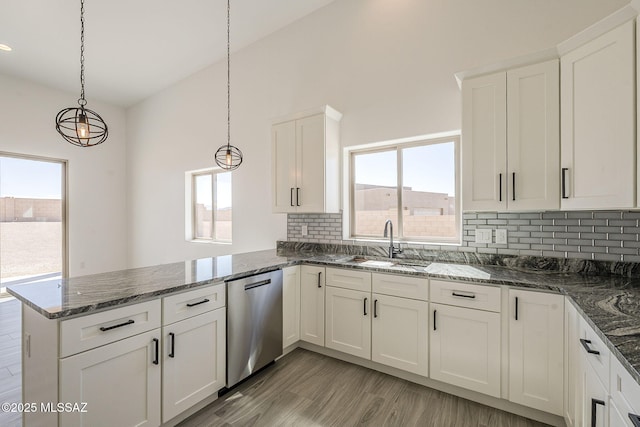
x=30 y=248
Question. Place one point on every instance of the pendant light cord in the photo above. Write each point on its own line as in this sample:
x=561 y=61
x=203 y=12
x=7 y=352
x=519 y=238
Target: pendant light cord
x=228 y=75
x=82 y=101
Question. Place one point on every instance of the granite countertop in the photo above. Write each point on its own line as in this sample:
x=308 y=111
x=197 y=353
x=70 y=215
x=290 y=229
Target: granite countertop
x=611 y=304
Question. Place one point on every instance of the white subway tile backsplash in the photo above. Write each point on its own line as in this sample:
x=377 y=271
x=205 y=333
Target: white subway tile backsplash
x=597 y=235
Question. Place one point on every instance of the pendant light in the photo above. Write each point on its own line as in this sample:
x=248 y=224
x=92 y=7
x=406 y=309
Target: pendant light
x=228 y=157
x=79 y=125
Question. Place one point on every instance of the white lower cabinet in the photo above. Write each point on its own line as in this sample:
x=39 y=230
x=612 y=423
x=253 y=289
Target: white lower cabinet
x=193 y=361
x=536 y=341
x=595 y=405
x=312 y=279
x=399 y=333
x=120 y=383
x=572 y=357
x=348 y=321
x=290 y=305
x=465 y=348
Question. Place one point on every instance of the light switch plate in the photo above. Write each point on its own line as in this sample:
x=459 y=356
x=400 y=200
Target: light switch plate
x=483 y=235
x=501 y=236
x=305 y=229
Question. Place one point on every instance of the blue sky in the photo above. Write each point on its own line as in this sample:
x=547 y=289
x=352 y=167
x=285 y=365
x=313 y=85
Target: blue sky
x=30 y=178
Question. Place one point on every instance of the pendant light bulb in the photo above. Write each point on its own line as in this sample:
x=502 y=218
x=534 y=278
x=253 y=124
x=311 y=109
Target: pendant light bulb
x=82 y=128
x=228 y=157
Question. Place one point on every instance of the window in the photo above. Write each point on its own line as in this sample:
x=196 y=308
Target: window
x=32 y=219
x=413 y=184
x=211 y=205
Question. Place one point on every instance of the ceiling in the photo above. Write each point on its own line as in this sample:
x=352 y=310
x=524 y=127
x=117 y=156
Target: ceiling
x=133 y=48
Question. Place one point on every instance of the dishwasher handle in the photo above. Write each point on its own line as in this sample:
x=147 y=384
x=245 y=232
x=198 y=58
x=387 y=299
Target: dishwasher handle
x=257 y=284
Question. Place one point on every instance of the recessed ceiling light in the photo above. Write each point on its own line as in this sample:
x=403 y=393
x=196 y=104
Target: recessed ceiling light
x=5 y=47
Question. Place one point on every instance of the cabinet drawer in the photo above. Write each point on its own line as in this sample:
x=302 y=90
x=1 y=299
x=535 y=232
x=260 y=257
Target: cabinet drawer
x=625 y=391
x=349 y=279
x=188 y=304
x=599 y=357
x=481 y=297
x=94 y=330
x=401 y=286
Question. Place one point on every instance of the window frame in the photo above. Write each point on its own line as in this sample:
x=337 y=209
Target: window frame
x=398 y=146
x=191 y=206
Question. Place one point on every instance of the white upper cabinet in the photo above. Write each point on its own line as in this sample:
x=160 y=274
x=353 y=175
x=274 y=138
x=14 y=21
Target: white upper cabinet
x=598 y=155
x=306 y=163
x=510 y=139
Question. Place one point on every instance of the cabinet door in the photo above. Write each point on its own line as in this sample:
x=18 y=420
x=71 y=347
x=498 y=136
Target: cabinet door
x=465 y=348
x=290 y=305
x=598 y=122
x=348 y=321
x=312 y=304
x=571 y=365
x=310 y=134
x=120 y=382
x=533 y=137
x=399 y=333
x=536 y=350
x=283 y=166
x=484 y=144
x=595 y=406
x=194 y=352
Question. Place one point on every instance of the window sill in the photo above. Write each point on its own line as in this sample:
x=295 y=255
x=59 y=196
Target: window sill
x=405 y=242
x=209 y=242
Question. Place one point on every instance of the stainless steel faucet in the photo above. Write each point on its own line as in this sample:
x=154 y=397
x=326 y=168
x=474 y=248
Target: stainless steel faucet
x=388 y=230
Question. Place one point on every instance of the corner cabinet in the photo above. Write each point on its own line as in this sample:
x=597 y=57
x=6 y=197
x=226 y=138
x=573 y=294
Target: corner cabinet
x=536 y=356
x=598 y=129
x=510 y=139
x=306 y=163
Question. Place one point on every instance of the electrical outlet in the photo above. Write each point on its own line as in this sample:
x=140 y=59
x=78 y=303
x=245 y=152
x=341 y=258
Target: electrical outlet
x=483 y=235
x=501 y=236
x=305 y=229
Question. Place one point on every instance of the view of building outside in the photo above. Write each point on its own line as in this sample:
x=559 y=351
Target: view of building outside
x=428 y=191
x=31 y=215
x=213 y=220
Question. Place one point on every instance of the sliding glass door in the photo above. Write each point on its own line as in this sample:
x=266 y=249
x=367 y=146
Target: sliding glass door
x=32 y=219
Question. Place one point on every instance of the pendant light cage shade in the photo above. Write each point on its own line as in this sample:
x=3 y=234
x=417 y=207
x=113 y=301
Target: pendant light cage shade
x=81 y=127
x=229 y=157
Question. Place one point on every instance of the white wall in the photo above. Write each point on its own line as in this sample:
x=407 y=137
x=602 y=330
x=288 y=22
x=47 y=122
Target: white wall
x=96 y=176
x=386 y=65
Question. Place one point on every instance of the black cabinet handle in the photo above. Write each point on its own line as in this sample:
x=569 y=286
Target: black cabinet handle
x=513 y=186
x=434 y=320
x=193 y=304
x=156 y=344
x=291 y=197
x=365 y=306
x=564 y=182
x=172 y=338
x=594 y=409
x=297 y=196
x=455 y=294
x=375 y=308
x=319 y=274
x=108 y=328
x=516 y=308
x=585 y=344
x=500 y=186
x=635 y=419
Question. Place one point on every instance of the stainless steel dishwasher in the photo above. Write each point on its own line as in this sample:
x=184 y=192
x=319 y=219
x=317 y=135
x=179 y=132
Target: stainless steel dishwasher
x=254 y=324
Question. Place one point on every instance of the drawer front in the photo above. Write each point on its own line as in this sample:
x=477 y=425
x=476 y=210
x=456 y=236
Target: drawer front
x=349 y=279
x=87 y=332
x=625 y=391
x=600 y=356
x=401 y=286
x=188 y=304
x=481 y=297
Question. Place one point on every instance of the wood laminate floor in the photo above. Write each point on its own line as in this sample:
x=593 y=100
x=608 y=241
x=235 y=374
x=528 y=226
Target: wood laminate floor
x=10 y=362
x=308 y=389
